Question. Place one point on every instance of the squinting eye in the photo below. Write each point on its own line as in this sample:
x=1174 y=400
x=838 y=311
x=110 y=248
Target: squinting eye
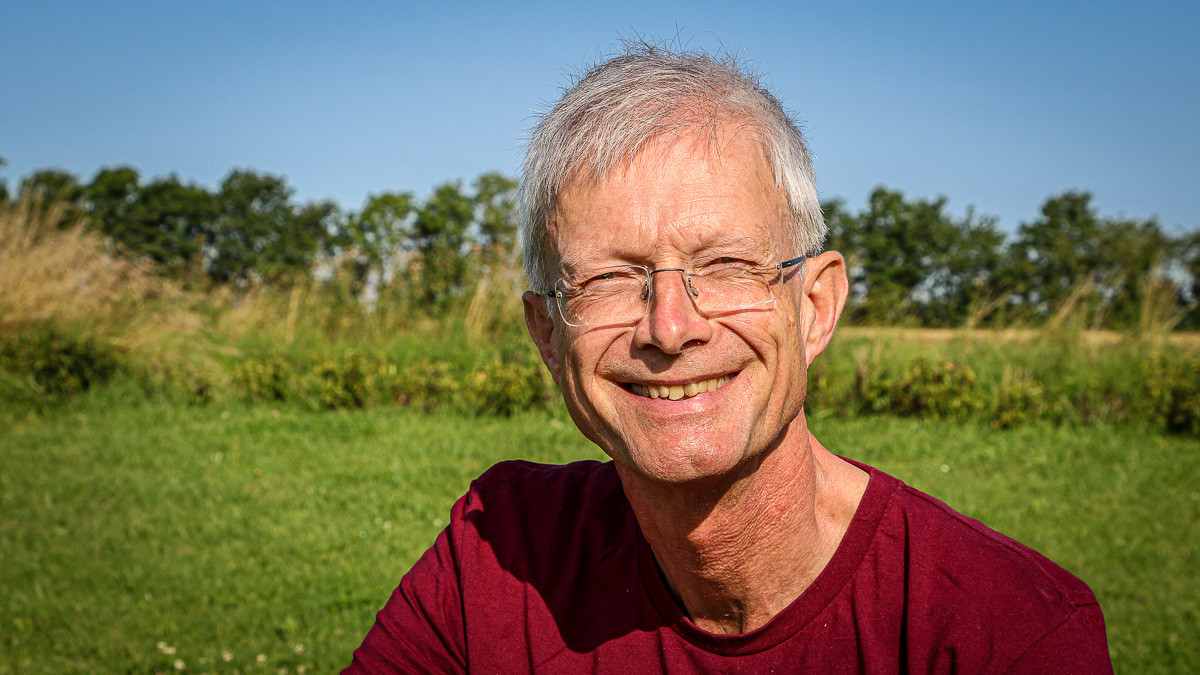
x=728 y=262
x=611 y=278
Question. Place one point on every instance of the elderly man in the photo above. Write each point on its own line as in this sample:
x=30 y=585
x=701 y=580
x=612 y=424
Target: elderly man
x=673 y=233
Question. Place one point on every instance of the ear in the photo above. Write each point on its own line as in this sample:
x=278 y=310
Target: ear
x=825 y=289
x=541 y=329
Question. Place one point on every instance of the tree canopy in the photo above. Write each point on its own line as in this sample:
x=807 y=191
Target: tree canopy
x=909 y=260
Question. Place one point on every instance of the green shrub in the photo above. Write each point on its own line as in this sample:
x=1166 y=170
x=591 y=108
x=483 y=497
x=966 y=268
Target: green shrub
x=270 y=379
x=43 y=366
x=944 y=389
x=339 y=384
x=1021 y=398
x=1172 y=392
x=500 y=388
x=428 y=385
x=497 y=387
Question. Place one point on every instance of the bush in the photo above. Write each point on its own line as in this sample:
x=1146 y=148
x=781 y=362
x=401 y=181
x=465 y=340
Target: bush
x=428 y=385
x=497 y=387
x=339 y=384
x=266 y=379
x=500 y=388
x=945 y=389
x=1172 y=392
x=43 y=366
x=1019 y=399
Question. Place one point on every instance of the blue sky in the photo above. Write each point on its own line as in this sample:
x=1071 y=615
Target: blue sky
x=995 y=105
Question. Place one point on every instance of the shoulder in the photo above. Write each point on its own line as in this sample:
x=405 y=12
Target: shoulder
x=525 y=486
x=528 y=515
x=967 y=546
x=970 y=591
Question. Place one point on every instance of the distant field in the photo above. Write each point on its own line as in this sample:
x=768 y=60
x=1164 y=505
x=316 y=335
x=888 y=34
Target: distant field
x=138 y=535
x=1182 y=339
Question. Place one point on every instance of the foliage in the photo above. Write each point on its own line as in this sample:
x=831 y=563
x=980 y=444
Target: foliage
x=1173 y=393
x=1070 y=248
x=259 y=231
x=910 y=261
x=165 y=220
x=341 y=383
x=40 y=367
x=493 y=386
x=1020 y=398
x=921 y=389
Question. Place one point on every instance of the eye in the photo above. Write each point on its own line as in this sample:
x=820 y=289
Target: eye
x=729 y=260
x=611 y=280
x=726 y=265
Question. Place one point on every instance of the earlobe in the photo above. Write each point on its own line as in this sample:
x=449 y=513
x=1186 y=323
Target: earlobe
x=825 y=289
x=541 y=329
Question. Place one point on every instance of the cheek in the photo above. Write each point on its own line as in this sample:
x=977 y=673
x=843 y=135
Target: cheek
x=578 y=367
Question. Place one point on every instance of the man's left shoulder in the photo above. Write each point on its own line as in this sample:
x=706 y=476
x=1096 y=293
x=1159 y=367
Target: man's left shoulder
x=962 y=548
x=976 y=591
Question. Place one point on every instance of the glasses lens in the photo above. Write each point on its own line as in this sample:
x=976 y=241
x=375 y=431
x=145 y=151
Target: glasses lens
x=734 y=285
x=619 y=295
x=607 y=296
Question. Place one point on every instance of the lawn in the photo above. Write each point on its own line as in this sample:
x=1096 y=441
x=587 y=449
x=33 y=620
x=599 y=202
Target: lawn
x=139 y=535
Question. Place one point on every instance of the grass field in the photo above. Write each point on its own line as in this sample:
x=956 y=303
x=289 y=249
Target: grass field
x=138 y=535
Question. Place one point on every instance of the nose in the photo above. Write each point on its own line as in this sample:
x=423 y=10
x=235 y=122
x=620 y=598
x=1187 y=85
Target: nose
x=672 y=321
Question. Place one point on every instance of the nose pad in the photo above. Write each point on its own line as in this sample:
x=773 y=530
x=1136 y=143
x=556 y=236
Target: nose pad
x=648 y=291
x=649 y=295
x=673 y=320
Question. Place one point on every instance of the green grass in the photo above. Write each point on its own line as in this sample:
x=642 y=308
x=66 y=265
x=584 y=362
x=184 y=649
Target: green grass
x=135 y=532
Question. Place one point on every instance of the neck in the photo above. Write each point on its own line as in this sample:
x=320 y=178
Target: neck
x=736 y=550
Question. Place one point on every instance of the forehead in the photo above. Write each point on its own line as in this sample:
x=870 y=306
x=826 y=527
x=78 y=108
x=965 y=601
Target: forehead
x=678 y=197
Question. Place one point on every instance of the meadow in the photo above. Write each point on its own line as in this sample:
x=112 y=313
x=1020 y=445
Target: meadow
x=233 y=479
x=142 y=535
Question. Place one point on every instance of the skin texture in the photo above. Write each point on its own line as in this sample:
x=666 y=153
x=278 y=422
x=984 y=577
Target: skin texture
x=741 y=505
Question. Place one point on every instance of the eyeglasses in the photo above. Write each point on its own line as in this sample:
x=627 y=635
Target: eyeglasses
x=609 y=296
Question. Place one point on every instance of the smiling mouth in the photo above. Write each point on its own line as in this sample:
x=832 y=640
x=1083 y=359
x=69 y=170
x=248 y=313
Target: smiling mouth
x=676 y=392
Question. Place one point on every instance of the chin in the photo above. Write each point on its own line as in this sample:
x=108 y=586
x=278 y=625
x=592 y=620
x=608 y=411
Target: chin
x=683 y=461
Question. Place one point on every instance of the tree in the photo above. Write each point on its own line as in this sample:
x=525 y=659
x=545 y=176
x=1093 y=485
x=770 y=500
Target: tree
x=377 y=235
x=170 y=223
x=4 y=198
x=911 y=260
x=111 y=196
x=440 y=238
x=1071 y=253
x=50 y=188
x=495 y=198
x=259 y=230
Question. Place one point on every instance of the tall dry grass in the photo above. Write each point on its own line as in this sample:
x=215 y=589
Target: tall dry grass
x=55 y=272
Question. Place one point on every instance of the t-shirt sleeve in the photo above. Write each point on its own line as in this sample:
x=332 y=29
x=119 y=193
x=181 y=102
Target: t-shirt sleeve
x=1077 y=645
x=420 y=629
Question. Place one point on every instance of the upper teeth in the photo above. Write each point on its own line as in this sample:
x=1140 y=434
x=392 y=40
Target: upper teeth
x=679 y=391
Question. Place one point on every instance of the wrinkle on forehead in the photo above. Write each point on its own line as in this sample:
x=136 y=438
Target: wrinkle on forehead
x=662 y=217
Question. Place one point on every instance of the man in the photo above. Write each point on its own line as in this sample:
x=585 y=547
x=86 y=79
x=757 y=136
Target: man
x=672 y=230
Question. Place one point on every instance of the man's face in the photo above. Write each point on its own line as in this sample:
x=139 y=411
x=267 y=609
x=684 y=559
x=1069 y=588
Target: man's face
x=672 y=205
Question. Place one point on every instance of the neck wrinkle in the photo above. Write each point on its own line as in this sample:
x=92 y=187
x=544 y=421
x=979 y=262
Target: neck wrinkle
x=735 y=553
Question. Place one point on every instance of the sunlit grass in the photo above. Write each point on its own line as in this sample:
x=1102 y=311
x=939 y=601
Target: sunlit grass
x=137 y=533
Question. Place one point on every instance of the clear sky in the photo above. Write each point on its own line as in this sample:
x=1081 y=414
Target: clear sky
x=995 y=105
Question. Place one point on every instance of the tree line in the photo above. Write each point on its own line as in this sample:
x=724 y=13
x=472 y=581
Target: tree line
x=910 y=261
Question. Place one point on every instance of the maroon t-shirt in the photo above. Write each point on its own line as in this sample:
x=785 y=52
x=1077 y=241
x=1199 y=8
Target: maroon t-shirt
x=543 y=568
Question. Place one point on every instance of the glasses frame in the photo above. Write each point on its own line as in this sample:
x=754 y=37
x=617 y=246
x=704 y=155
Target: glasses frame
x=558 y=296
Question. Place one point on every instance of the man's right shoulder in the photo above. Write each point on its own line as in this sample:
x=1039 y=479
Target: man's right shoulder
x=525 y=485
x=516 y=508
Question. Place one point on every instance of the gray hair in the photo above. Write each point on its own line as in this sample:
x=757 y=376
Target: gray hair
x=621 y=106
